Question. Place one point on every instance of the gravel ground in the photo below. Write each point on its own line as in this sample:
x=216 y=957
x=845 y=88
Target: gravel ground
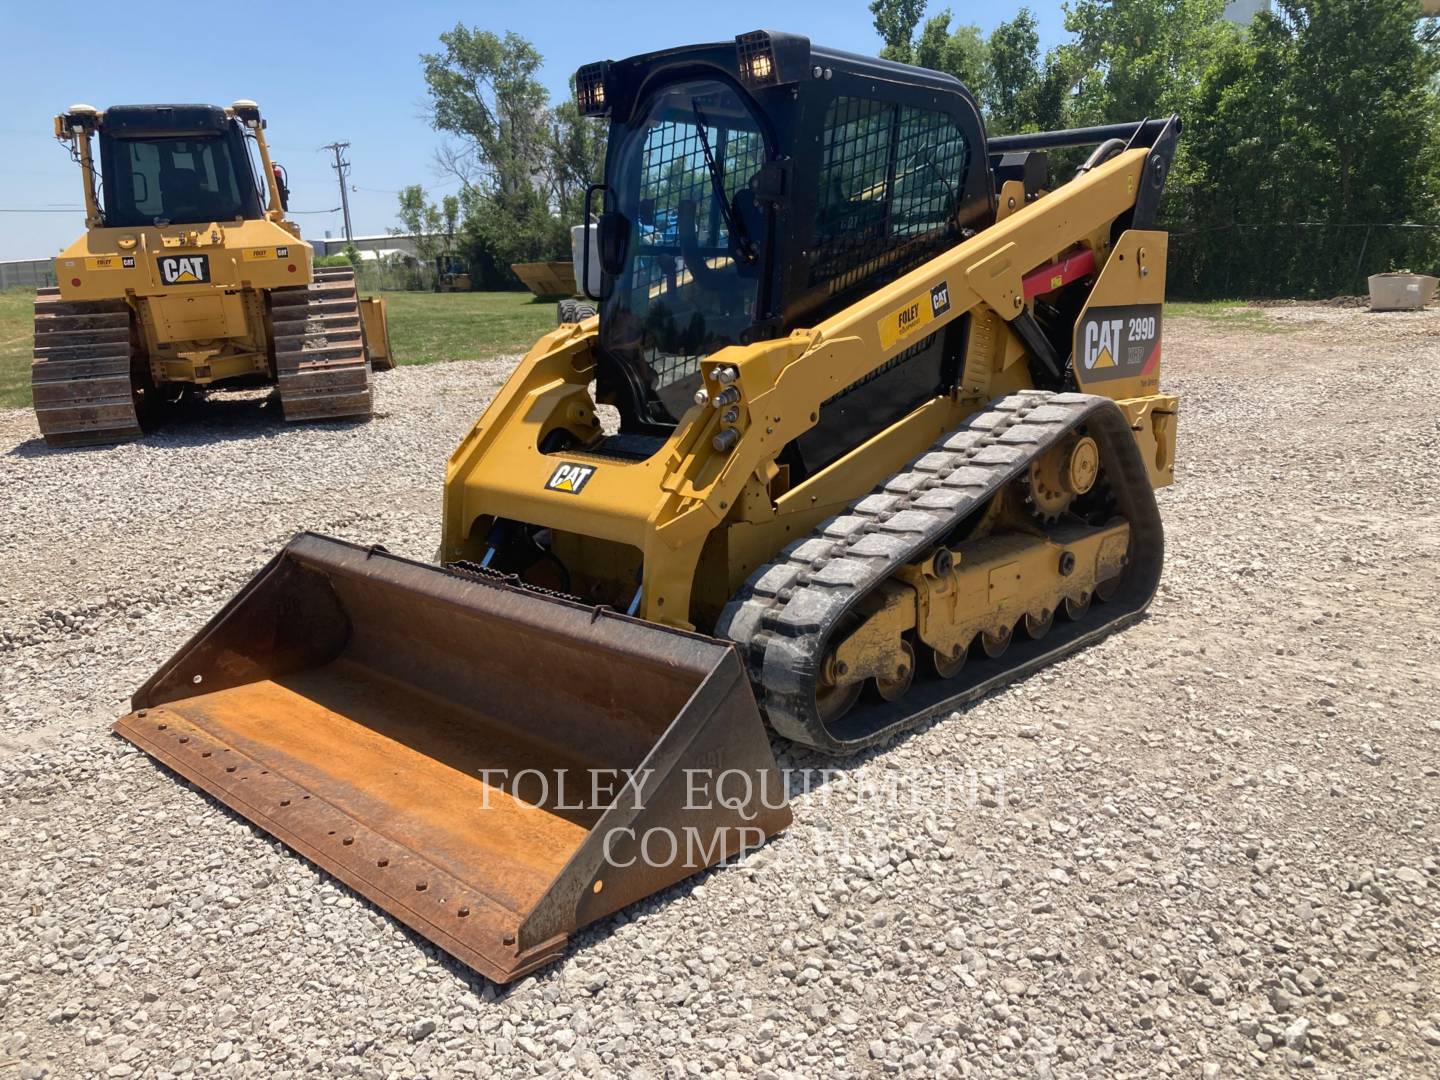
x=1206 y=847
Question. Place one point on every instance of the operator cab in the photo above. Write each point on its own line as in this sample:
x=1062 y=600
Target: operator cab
x=762 y=184
x=174 y=165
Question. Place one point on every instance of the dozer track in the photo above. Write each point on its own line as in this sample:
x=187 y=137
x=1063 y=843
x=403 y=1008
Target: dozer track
x=789 y=610
x=320 y=356
x=81 y=376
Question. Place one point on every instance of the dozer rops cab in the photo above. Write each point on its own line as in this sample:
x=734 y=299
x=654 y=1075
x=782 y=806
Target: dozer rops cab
x=889 y=428
x=184 y=281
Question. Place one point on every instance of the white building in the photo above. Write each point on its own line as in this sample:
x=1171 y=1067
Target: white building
x=388 y=243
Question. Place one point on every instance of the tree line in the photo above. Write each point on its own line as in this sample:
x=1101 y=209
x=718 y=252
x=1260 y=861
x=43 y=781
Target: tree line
x=1310 y=155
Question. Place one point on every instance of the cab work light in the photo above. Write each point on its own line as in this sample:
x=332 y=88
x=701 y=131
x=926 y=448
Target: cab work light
x=757 y=58
x=590 y=89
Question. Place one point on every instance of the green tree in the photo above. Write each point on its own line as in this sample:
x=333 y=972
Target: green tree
x=1319 y=119
x=1142 y=57
x=577 y=157
x=895 y=22
x=431 y=227
x=1015 y=75
x=1373 y=113
x=524 y=165
x=503 y=229
x=961 y=52
x=485 y=90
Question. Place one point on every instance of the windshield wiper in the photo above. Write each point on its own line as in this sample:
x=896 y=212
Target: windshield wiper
x=740 y=242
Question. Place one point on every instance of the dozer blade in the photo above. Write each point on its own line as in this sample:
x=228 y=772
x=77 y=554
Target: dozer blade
x=494 y=767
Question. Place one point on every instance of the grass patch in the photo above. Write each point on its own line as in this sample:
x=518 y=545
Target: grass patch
x=425 y=328
x=431 y=328
x=1232 y=314
x=17 y=345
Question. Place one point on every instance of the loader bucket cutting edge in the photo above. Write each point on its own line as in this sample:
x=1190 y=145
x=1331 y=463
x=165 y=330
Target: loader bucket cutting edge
x=492 y=767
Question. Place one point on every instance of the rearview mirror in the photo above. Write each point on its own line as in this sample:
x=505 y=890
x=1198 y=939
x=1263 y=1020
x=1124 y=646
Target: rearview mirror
x=614 y=238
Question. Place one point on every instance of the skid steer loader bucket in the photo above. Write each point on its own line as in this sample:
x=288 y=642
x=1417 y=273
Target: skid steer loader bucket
x=494 y=767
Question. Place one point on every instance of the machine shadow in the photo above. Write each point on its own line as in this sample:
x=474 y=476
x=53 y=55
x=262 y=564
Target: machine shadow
x=221 y=417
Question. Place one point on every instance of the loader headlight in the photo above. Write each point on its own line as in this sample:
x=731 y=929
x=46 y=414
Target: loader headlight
x=757 y=58
x=590 y=89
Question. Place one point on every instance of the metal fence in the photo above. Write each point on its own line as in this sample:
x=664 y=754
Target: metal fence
x=395 y=275
x=27 y=273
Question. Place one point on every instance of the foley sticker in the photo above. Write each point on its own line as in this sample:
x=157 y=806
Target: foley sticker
x=257 y=254
x=184 y=269
x=570 y=477
x=915 y=316
x=110 y=262
x=1118 y=343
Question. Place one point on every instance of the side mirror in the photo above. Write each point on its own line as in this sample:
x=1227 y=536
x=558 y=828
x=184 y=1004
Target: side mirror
x=282 y=182
x=613 y=233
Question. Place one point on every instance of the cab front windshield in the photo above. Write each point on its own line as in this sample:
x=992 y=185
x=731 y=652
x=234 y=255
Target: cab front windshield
x=690 y=279
x=165 y=180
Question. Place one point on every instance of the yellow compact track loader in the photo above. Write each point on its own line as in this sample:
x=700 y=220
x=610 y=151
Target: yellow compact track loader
x=183 y=281
x=890 y=425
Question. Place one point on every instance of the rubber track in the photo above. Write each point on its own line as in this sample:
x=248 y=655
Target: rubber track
x=320 y=348
x=785 y=615
x=80 y=378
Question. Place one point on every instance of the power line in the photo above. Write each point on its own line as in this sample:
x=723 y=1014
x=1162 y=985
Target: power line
x=342 y=169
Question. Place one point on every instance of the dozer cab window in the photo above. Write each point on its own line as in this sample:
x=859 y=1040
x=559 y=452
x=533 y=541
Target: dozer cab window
x=173 y=180
x=891 y=182
x=690 y=280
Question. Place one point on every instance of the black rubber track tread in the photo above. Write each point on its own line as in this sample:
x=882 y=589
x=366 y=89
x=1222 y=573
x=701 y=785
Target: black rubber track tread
x=785 y=614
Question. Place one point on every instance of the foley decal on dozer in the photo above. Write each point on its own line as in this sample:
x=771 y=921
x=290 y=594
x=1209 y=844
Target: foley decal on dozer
x=890 y=429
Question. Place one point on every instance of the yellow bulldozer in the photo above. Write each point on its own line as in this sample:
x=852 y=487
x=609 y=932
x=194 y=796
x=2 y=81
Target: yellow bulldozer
x=889 y=428
x=185 y=281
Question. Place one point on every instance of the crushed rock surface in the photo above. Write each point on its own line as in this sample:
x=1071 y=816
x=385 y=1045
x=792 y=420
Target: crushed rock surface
x=1207 y=846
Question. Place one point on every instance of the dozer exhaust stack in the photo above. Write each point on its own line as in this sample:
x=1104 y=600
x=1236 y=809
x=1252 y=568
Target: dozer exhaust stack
x=493 y=767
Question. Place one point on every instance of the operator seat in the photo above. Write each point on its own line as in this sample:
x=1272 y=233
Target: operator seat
x=184 y=199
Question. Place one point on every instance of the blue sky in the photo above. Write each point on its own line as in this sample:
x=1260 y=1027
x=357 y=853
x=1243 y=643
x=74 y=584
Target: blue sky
x=333 y=71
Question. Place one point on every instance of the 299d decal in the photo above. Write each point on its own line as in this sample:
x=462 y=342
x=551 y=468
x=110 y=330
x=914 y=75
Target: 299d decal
x=1118 y=342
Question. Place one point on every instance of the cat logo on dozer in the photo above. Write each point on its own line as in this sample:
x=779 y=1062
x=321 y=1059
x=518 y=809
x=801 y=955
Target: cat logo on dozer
x=185 y=269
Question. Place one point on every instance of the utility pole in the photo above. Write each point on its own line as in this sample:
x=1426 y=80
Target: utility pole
x=342 y=168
